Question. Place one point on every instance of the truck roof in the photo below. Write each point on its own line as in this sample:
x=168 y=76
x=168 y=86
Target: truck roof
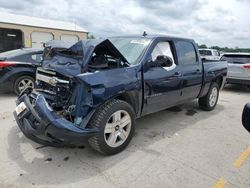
x=154 y=36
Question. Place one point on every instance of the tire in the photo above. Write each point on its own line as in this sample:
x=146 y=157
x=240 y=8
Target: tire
x=21 y=81
x=115 y=134
x=209 y=101
x=245 y=117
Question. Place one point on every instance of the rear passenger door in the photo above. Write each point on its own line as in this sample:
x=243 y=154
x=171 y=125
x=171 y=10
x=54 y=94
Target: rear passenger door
x=191 y=69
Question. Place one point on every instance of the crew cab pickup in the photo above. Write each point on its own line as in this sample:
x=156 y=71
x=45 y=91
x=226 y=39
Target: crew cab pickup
x=95 y=90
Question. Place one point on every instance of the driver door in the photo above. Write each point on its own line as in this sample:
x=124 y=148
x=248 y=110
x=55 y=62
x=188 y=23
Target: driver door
x=162 y=85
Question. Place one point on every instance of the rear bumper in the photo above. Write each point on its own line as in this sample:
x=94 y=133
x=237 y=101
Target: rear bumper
x=238 y=81
x=6 y=80
x=5 y=85
x=42 y=125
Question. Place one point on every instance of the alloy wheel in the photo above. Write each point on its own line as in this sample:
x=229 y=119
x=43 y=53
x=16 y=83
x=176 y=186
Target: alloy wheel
x=117 y=128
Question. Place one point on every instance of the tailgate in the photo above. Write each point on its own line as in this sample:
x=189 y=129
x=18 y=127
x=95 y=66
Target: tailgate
x=239 y=70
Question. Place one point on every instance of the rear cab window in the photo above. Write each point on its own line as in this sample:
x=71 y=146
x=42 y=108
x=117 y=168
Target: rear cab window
x=186 y=53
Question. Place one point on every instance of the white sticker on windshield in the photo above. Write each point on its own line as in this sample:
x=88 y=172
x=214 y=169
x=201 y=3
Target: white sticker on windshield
x=140 y=41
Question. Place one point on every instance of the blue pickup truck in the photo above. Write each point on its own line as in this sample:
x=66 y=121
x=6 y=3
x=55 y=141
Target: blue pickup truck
x=95 y=90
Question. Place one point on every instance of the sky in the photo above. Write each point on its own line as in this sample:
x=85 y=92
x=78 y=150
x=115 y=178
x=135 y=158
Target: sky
x=212 y=22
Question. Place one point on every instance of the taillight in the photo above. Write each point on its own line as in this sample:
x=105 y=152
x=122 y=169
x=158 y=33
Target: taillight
x=246 y=66
x=6 y=64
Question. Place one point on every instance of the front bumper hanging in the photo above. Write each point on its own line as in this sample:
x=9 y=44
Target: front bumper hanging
x=42 y=125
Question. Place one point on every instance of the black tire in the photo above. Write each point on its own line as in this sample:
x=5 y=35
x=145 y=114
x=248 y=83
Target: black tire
x=205 y=103
x=99 y=120
x=19 y=80
x=245 y=117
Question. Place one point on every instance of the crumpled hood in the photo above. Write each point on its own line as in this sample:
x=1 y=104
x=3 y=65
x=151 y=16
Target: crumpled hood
x=73 y=60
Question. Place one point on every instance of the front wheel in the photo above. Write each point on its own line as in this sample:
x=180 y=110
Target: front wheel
x=209 y=101
x=116 y=121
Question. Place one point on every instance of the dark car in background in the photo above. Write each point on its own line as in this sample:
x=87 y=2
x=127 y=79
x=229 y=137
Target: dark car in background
x=18 y=69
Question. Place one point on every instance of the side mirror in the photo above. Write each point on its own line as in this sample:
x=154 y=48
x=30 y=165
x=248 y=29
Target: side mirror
x=162 y=61
x=246 y=117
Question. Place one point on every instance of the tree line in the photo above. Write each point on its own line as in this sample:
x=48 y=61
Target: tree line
x=226 y=49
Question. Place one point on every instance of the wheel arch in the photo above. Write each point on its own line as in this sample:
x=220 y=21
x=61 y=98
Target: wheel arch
x=218 y=80
x=130 y=97
x=24 y=72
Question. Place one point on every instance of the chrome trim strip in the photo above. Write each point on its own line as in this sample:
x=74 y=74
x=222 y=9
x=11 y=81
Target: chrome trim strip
x=51 y=80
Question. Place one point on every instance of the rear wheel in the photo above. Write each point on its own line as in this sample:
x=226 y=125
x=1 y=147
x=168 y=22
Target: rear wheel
x=116 y=120
x=23 y=82
x=209 y=101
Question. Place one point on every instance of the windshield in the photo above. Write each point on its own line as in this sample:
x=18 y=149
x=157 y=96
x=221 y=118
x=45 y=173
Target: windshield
x=236 y=59
x=130 y=48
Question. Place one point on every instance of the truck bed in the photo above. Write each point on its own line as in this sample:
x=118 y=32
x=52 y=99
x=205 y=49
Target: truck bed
x=214 y=68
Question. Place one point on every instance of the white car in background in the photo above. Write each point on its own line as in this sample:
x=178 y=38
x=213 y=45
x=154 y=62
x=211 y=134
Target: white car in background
x=209 y=54
x=238 y=68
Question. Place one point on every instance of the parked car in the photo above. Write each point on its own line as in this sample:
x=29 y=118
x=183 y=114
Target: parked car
x=246 y=117
x=209 y=54
x=238 y=68
x=18 y=69
x=95 y=90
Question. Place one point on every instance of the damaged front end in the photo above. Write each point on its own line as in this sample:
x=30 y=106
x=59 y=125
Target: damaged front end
x=43 y=125
x=70 y=86
x=56 y=112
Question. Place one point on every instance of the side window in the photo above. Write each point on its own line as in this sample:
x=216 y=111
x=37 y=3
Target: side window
x=162 y=48
x=37 y=58
x=216 y=53
x=209 y=52
x=186 y=53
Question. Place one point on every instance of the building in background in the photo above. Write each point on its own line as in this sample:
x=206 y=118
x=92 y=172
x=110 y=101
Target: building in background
x=17 y=31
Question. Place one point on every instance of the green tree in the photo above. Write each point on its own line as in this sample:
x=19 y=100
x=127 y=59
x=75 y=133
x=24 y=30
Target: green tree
x=226 y=49
x=215 y=47
x=202 y=46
